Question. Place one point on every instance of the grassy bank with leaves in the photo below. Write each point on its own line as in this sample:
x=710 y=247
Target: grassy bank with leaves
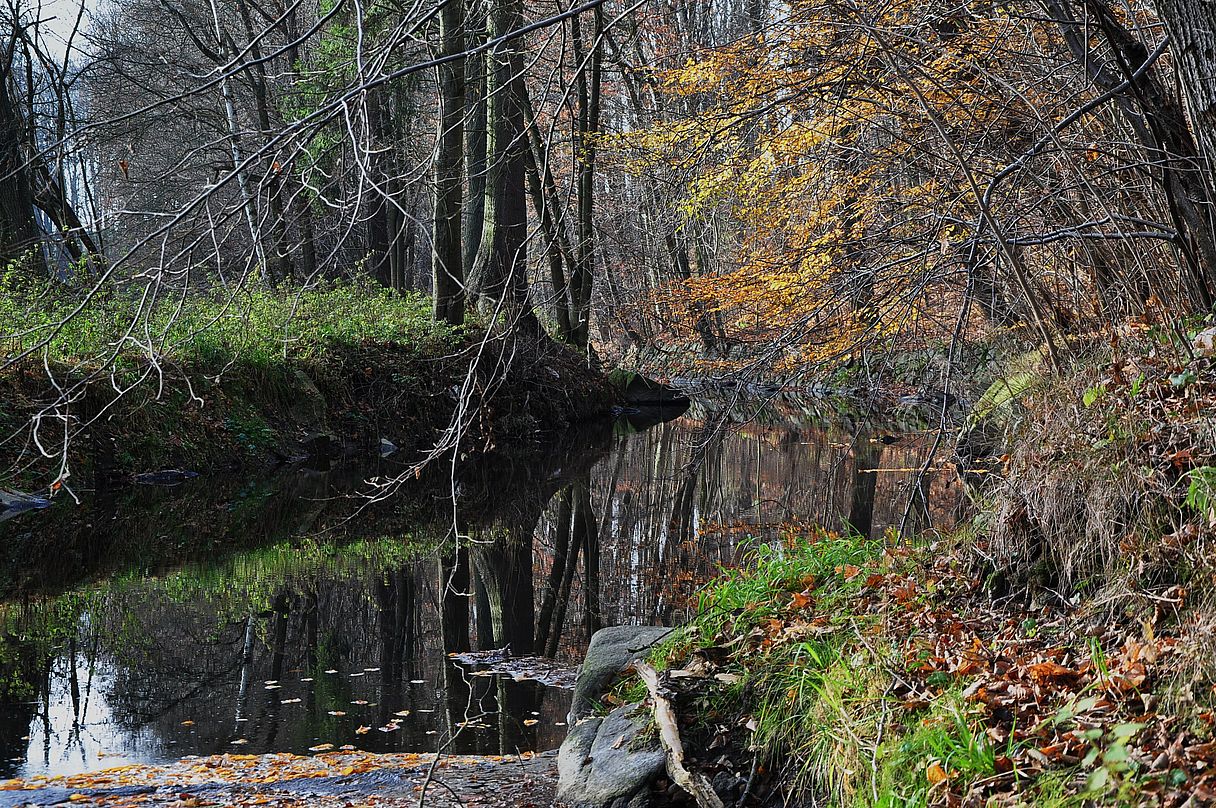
x=1056 y=650
x=839 y=671
x=254 y=376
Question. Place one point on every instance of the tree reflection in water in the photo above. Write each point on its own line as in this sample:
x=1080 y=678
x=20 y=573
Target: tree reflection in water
x=257 y=616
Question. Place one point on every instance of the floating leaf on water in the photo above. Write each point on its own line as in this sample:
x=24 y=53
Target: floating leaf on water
x=271 y=682
x=402 y=713
x=390 y=727
x=289 y=701
x=346 y=748
x=356 y=673
x=362 y=730
x=331 y=670
x=371 y=670
x=360 y=702
x=187 y=723
x=273 y=687
x=417 y=681
x=306 y=679
x=531 y=722
x=321 y=747
x=239 y=741
x=337 y=713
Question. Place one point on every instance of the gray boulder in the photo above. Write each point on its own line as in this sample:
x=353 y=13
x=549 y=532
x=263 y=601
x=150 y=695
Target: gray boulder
x=611 y=650
x=609 y=761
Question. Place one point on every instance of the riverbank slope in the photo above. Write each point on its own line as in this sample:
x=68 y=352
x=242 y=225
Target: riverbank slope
x=264 y=377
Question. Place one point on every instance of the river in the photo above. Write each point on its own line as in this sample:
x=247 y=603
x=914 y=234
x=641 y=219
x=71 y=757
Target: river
x=287 y=612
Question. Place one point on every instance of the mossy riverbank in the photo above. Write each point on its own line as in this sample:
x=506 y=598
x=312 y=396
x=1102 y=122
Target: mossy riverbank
x=258 y=377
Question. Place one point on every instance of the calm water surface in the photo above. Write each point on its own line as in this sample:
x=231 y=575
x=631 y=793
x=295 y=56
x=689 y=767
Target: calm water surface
x=282 y=613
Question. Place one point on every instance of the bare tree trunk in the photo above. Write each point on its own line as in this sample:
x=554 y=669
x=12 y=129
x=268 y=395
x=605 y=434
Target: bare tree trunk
x=447 y=265
x=548 y=209
x=589 y=81
x=500 y=275
x=1161 y=127
x=378 y=234
x=476 y=120
x=280 y=266
x=18 y=230
x=1192 y=28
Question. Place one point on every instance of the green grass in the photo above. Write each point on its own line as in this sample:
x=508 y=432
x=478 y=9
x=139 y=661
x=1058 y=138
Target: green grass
x=819 y=700
x=254 y=324
x=947 y=737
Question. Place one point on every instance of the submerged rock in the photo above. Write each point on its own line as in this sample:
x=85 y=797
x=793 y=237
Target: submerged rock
x=609 y=761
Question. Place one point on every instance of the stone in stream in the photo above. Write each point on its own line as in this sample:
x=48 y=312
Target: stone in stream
x=605 y=762
x=611 y=650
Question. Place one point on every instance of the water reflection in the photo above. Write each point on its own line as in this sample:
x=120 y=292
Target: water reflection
x=259 y=616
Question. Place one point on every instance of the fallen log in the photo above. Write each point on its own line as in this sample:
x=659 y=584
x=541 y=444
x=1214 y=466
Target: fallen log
x=669 y=736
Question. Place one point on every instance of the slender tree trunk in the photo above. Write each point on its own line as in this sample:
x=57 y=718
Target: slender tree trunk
x=447 y=265
x=589 y=83
x=545 y=202
x=1160 y=126
x=280 y=266
x=476 y=121
x=500 y=274
x=378 y=234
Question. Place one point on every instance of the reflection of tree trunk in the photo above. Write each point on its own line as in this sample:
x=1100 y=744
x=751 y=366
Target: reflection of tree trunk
x=867 y=455
x=561 y=548
x=391 y=597
x=485 y=614
x=563 y=599
x=278 y=650
x=456 y=691
x=311 y=630
x=454 y=613
x=74 y=681
x=242 y=693
x=708 y=438
x=409 y=619
x=588 y=536
x=507 y=565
